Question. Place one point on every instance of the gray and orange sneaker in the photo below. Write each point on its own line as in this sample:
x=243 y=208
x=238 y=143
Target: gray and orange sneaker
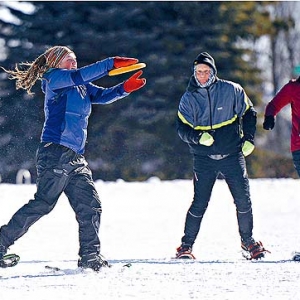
x=253 y=250
x=184 y=252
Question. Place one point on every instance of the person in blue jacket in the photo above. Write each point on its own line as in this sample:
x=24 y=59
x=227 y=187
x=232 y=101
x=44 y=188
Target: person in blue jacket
x=61 y=165
x=218 y=122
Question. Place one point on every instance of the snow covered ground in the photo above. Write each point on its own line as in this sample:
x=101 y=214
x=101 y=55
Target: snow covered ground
x=142 y=223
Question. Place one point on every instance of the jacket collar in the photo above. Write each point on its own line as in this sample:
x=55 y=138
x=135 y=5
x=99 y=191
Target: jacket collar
x=193 y=86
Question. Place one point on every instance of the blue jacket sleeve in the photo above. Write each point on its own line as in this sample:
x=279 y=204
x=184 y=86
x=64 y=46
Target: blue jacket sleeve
x=187 y=133
x=247 y=113
x=249 y=121
x=100 y=95
x=62 y=78
x=185 y=111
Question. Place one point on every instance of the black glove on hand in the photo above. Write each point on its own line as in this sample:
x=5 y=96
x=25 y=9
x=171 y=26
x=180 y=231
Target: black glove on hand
x=269 y=122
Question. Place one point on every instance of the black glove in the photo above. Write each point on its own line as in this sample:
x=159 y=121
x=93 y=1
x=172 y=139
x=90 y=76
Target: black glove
x=269 y=122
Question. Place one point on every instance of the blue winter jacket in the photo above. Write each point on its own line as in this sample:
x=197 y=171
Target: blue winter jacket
x=69 y=95
x=223 y=109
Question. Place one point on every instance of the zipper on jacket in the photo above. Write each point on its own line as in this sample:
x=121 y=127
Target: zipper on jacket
x=210 y=108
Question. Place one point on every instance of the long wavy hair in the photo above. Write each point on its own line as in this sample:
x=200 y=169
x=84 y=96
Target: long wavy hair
x=25 y=79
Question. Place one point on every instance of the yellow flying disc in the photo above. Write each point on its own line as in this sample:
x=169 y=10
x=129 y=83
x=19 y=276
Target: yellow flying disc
x=126 y=69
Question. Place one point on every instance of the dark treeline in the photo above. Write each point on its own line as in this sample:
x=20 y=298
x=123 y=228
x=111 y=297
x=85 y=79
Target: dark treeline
x=134 y=138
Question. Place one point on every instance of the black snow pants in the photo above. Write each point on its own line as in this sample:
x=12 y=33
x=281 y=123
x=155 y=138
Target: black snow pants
x=206 y=171
x=59 y=169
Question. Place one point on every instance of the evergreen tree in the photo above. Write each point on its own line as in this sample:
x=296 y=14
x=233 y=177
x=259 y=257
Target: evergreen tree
x=135 y=138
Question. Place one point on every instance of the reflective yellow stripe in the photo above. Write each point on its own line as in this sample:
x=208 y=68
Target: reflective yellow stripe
x=181 y=117
x=247 y=100
x=216 y=126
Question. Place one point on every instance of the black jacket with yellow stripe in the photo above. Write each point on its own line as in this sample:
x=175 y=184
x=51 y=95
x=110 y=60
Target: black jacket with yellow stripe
x=223 y=109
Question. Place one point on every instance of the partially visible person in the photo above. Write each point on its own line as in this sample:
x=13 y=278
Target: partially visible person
x=218 y=122
x=289 y=94
x=60 y=162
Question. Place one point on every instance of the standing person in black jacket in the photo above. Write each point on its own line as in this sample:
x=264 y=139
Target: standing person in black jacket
x=218 y=122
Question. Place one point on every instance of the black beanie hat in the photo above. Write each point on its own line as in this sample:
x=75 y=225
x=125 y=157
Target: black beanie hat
x=205 y=58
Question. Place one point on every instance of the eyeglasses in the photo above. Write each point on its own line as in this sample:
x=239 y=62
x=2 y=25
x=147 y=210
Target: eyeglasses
x=206 y=72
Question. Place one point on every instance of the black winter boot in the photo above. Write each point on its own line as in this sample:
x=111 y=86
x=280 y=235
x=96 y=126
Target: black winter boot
x=92 y=261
